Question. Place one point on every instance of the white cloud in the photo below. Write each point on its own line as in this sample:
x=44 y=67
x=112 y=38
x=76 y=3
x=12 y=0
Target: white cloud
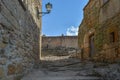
x=72 y=31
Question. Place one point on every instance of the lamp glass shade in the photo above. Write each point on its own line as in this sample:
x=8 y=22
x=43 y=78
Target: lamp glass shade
x=48 y=7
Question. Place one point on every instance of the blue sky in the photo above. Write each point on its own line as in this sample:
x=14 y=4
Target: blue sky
x=65 y=17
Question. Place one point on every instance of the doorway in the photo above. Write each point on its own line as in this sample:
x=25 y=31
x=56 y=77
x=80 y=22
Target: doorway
x=92 y=46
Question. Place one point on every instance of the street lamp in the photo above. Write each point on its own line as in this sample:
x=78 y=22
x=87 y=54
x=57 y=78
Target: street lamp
x=48 y=8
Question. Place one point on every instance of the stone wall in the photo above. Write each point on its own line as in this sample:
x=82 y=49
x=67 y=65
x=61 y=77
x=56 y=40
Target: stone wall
x=19 y=39
x=60 y=41
x=59 y=45
x=101 y=19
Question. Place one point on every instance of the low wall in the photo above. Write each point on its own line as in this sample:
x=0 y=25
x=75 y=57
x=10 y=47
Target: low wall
x=60 y=41
x=59 y=45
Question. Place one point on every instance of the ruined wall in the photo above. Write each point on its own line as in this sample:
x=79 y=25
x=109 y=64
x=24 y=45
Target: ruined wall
x=19 y=39
x=101 y=19
x=60 y=45
x=60 y=41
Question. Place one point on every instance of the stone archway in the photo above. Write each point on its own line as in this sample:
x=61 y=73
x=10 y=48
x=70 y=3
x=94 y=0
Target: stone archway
x=89 y=44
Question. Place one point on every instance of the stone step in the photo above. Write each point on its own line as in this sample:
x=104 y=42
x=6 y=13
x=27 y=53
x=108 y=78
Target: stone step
x=66 y=78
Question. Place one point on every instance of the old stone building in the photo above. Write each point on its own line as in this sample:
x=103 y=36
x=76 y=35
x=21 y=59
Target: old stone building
x=99 y=32
x=19 y=37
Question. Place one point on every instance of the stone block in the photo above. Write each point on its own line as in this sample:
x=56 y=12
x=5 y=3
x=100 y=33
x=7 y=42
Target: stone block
x=11 y=69
x=18 y=77
x=3 y=61
x=1 y=72
x=19 y=68
x=5 y=39
x=2 y=45
x=2 y=51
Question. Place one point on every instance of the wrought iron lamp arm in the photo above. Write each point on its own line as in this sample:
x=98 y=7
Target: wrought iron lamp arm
x=43 y=12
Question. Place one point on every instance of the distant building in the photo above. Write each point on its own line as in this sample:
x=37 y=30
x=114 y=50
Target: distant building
x=99 y=32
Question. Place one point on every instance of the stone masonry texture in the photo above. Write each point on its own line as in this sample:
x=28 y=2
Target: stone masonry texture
x=19 y=38
x=101 y=20
x=60 y=41
x=59 y=45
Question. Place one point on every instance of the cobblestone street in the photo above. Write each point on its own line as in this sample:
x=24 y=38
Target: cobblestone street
x=65 y=68
x=60 y=68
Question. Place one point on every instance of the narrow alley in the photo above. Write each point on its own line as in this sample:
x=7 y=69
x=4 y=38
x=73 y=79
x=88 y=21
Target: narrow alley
x=59 y=39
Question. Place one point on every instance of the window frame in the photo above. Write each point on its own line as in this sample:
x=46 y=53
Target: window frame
x=112 y=37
